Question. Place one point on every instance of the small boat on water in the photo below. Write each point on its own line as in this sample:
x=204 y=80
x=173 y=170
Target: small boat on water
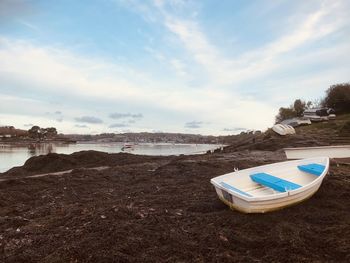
x=128 y=146
x=271 y=187
x=337 y=151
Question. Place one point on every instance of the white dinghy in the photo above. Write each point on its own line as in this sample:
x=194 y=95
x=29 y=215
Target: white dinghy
x=270 y=187
x=283 y=129
x=336 y=151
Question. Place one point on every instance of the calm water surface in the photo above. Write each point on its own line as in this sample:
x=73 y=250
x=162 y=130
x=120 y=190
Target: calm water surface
x=11 y=155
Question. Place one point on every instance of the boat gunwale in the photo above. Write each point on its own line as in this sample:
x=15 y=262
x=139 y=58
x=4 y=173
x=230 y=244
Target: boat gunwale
x=278 y=195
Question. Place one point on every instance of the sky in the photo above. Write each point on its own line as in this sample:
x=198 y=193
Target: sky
x=200 y=67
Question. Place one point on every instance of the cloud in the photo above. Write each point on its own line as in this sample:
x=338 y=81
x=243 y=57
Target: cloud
x=29 y=25
x=89 y=119
x=327 y=19
x=195 y=42
x=155 y=53
x=67 y=74
x=193 y=124
x=28 y=125
x=81 y=126
x=137 y=116
x=117 y=115
x=179 y=67
x=141 y=8
x=57 y=115
x=234 y=129
x=118 y=125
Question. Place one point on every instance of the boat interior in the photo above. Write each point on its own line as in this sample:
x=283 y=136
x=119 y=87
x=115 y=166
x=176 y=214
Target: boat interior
x=271 y=179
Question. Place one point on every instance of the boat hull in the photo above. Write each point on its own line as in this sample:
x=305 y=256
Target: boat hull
x=265 y=205
x=240 y=190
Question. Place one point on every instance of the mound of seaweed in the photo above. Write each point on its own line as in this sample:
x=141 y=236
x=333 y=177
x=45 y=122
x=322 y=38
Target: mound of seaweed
x=54 y=162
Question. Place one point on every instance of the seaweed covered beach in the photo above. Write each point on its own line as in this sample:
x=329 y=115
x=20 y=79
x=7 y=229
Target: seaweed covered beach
x=116 y=115
x=98 y=207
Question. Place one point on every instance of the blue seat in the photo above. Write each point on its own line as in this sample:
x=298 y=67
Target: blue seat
x=312 y=168
x=234 y=189
x=274 y=182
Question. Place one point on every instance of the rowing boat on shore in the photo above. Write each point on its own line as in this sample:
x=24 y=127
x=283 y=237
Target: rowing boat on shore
x=271 y=187
x=338 y=151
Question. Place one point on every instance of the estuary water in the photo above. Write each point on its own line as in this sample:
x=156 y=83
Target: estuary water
x=12 y=155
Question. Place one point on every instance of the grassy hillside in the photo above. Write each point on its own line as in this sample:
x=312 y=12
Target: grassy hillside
x=334 y=127
x=335 y=132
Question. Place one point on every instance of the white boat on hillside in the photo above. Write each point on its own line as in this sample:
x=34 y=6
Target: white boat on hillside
x=338 y=151
x=283 y=129
x=295 y=122
x=317 y=114
x=271 y=187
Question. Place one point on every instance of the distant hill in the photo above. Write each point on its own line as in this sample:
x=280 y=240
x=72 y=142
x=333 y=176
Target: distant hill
x=146 y=137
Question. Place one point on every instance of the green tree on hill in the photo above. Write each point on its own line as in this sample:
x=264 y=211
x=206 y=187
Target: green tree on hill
x=299 y=107
x=41 y=133
x=284 y=114
x=50 y=132
x=338 y=98
x=34 y=132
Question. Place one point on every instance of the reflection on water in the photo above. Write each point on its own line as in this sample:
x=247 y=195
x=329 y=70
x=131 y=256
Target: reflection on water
x=41 y=149
x=13 y=155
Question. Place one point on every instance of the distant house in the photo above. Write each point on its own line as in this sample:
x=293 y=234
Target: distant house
x=10 y=131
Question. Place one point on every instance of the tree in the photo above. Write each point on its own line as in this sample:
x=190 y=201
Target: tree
x=34 y=132
x=285 y=113
x=317 y=103
x=338 y=98
x=51 y=132
x=309 y=105
x=41 y=133
x=299 y=107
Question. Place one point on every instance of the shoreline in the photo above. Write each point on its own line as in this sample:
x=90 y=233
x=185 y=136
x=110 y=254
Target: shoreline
x=17 y=154
x=31 y=142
